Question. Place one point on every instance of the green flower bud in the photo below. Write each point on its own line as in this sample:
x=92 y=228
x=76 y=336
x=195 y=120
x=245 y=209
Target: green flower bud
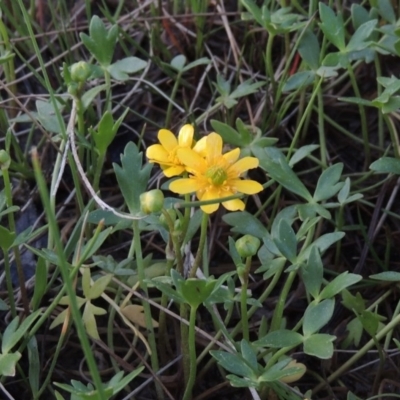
x=152 y=201
x=5 y=160
x=80 y=71
x=247 y=246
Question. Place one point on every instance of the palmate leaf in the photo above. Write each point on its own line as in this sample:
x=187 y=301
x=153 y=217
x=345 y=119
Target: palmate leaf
x=8 y=363
x=132 y=177
x=319 y=345
x=274 y=163
x=101 y=42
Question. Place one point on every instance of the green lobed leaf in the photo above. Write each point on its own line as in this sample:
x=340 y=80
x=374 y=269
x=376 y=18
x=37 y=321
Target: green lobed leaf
x=94 y=244
x=277 y=375
x=99 y=286
x=313 y=273
x=370 y=322
x=386 y=165
x=332 y=25
x=392 y=105
x=301 y=153
x=12 y=334
x=108 y=218
x=342 y=281
x=322 y=243
x=279 y=339
x=356 y=303
x=387 y=276
x=246 y=88
x=8 y=363
x=354 y=333
x=196 y=291
x=89 y=96
x=105 y=133
x=118 y=384
x=317 y=315
x=230 y=135
x=129 y=65
x=344 y=192
x=47 y=115
x=299 y=80
x=358 y=40
x=359 y=15
x=245 y=223
x=274 y=163
x=131 y=168
x=233 y=363
x=101 y=42
x=289 y=214
x=235 y=381
x=178 y=62
x=328 y=185
x=89 y=322
x=196 y=63
x=319 y=345
x=286 y=241
x=385 y=9
x=249 y=354
x=357 y=100
x=309 y=49
x=254 y=11
x=168 y=290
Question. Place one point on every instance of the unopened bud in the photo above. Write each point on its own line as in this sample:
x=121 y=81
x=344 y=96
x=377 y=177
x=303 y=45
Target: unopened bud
x=80 y=71
x=247 y=246
x=152 y=201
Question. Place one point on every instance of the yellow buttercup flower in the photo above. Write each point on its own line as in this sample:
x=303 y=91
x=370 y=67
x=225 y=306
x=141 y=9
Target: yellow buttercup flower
x=165 y=153
x=216 y=175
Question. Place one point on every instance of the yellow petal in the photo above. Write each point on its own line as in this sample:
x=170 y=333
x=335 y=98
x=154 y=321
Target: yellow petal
x=174 y=170
x=233 y=205
x=245 y=164
x=191 y=159
x=214 y=147
x=185 y=136
x=167 y=139
x=210 y=208
x=210 y=194
x=184 y=186
x=201 y=146
x=232 y=156
x=157 y=153
x=246 y=186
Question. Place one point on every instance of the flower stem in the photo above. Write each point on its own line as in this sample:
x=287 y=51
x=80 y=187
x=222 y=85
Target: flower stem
x=277 y=318
x=173 y=94
x=192 y=354
x=145 y=304
x=243 y=299
x=203 y=236
x=185 y=348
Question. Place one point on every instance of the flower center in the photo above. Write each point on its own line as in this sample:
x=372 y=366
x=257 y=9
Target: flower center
x=216 y=175
x=173 y=157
